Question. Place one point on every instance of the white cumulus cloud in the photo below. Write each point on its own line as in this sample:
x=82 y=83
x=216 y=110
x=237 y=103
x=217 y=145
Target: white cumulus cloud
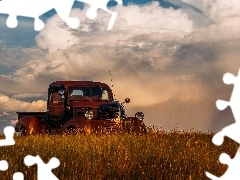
x=8 y=105
x=132 y=20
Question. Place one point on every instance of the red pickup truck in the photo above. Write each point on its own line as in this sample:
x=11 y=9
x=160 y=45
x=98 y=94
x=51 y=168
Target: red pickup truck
x=80 y=107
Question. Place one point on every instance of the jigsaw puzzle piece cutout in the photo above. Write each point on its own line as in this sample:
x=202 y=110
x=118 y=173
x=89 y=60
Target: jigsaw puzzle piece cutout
x=25 y=8
x=211 y=176
x=3 y=165
x=229 y=78
x=63 y=9
x=112 y=20
x=18 y=176
x=44 y=170
x=92 y=12
x=12 y=21
x=96 y=4
x=16 y=8
x=233 y=171
x=221 y=104
x=38 y=24
x=34 y=9
x=234 y=102
x=231 y=131
x=9 y=133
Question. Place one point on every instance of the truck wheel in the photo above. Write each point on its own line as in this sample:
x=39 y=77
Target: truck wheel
x=23 y=131
x=71 y=130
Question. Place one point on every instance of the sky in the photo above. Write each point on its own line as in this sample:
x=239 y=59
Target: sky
x=167 y=56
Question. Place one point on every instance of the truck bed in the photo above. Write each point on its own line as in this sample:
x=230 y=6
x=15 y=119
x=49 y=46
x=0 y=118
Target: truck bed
x=40 y=115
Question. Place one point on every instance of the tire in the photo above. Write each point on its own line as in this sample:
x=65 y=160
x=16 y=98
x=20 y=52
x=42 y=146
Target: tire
x=23 y=131
x=71 y=130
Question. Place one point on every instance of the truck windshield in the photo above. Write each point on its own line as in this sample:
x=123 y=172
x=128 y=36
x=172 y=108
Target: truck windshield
x=88 y=92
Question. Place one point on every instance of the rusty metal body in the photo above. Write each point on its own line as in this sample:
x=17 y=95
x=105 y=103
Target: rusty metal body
x=80 y=107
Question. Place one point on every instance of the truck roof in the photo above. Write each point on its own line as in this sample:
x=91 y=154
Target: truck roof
x=78 y=83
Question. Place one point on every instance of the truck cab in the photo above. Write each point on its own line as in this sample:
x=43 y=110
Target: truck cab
x=80 y=107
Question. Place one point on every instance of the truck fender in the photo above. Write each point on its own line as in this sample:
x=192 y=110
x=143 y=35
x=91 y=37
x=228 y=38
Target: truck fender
x=28 y=125
x=131 y=124
x=77 y=125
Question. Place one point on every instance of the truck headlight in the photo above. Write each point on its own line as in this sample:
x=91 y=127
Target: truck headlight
x=139 y=116
x=88 y=115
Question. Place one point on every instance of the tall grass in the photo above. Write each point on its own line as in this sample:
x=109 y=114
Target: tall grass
x=157 y=155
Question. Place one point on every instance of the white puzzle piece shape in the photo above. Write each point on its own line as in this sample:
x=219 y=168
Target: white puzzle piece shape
x=9 y=133
x=36 y=8
x=3 y=165
x=18 y=176
x=44 y=170
x=97 y=4
x=233 y=172
x=231 y=131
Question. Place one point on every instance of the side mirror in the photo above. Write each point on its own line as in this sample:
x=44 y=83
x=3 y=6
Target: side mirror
x=127 y=100
x=61 y=91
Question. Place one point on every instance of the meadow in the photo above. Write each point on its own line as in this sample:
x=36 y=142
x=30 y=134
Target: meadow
x=157 y=155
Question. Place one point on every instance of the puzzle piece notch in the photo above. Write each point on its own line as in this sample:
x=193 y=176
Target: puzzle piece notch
x=9 y=133
x=18 y=176
x=96 y=4
x=21 y=8
x=229 y=78
x=44 y=170
x=221 y=104
x=3 y=165
x=234 y=101
x=232 y=172
x=231 y=131
x=16 y=8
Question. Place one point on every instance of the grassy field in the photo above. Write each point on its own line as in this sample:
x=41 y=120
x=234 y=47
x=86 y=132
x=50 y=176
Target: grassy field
x=157 y=155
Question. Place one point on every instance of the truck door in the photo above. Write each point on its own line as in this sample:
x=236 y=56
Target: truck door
x=56 y=108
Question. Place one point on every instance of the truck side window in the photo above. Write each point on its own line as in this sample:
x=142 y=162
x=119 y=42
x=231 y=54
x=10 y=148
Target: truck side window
x=55 y=97
x=105 y=95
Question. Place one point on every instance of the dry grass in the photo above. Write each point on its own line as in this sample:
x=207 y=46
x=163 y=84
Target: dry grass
x=157 y=155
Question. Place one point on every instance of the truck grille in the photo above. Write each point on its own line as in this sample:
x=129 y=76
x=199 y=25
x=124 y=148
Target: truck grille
x=80 y=111
x=109 y=115
x=111 y=126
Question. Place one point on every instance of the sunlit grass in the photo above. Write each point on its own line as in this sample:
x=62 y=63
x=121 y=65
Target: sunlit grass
x=157 y=155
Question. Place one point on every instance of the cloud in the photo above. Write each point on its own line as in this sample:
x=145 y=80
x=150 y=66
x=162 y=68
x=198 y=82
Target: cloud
x=9 y=55
x=219 y=10
x=152 y=76
x=132 y=20
x=12 y=105
x=27 y=95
